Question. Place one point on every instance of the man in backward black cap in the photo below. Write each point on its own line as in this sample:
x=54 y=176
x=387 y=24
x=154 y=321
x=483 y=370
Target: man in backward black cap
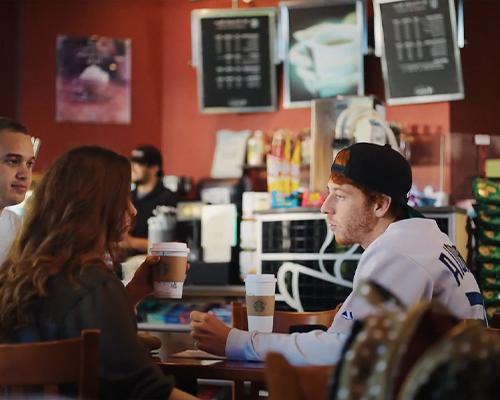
x=149 y=192
x=405 y=254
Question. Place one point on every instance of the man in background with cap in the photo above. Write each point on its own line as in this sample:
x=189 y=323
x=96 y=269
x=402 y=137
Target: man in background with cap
x=405 y=254
x=149 y=192
x=16 y=163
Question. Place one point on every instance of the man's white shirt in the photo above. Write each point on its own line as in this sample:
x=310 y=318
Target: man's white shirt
x=9 y=225
x=412 y=259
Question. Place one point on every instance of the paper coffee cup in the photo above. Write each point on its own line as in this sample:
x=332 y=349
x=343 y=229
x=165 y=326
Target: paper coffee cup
x=169 y=274
x=260 y=293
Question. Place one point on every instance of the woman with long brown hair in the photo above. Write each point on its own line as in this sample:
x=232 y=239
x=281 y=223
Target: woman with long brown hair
x=55 y=281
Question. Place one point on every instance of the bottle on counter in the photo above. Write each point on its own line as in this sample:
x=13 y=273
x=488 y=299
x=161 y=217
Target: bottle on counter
x=255 y=149
x=305 y=153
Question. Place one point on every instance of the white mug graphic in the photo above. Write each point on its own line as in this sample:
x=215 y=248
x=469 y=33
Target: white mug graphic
x=327 y=57
x=333 y=48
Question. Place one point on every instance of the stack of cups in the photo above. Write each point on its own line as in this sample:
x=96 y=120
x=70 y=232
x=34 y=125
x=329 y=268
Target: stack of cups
x=260 y=291
x=169 y=274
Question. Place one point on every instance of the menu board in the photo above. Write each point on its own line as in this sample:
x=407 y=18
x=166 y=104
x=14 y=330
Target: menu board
x=234 y=52
x=420 y=60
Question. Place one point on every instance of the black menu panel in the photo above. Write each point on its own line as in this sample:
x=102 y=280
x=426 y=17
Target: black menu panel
x=421 y=60
x=234 y=54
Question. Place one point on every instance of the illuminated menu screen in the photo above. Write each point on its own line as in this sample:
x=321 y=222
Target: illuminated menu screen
x=236 y=70
x=421 y=61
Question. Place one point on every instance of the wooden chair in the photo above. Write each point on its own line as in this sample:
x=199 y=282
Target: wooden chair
x=494 y=330
x=286 y=382
x=284 y=320
x=495 y=321
x=41 y=366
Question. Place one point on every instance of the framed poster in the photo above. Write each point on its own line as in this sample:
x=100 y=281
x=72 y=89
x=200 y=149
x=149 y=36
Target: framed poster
x=93 y=79
x=234 y=52
x=420 y=55
x=322 y=49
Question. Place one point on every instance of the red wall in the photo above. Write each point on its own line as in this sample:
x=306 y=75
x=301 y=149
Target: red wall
x=479 y=112
x=164 y=97
x=189 y=136
x=8 y=58
x=41 y=22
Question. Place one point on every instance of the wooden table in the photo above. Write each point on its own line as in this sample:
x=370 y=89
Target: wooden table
x=236 y=371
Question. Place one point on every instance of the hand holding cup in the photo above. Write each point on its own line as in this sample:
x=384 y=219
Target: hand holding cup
x=209 y=333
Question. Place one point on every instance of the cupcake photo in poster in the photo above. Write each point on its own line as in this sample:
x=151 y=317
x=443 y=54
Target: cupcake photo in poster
x=93 y=80
x=323 y=50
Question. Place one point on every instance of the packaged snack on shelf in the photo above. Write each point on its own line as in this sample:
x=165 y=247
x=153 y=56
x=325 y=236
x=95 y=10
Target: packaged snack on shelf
x=492 y=310
x=486 y=190
x=491 y=298
x=489 y=269
x=274 y=181
x=278 y=163
x=295 y=167
x=278 y=143
x=282 y=200
x=285 y=165
x=488 y=221
x=488 y=253
x=490 y=283
x=488 y=236
x=487 y=208
x=305 y=148
x=256 y=148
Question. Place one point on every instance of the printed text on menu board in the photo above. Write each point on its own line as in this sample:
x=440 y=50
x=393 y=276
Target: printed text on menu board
x=420 y=48
x=236 y=61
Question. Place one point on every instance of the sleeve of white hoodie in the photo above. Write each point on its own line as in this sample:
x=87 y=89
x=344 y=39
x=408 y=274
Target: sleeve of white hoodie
x=311 y=348
x=395 y=272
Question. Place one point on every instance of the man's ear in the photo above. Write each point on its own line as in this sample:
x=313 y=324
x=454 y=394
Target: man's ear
x=381 y=205
x=154 y=169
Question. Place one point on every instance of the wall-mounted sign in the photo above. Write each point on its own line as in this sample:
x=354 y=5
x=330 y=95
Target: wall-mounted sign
x=93 y=79
x=234 y=52
x=420 y=59
x=323 y=49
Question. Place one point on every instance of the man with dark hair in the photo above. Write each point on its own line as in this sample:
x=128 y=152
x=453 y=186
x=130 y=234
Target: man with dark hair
x=149 y=192
x=405 y=254
x=16 y=163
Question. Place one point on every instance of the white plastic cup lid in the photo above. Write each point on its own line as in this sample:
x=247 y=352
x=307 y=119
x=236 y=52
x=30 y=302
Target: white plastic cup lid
x=251 y=278
x=174 y=247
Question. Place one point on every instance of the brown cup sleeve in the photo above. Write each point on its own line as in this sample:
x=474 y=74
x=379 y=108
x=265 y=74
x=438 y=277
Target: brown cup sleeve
x=170 y=269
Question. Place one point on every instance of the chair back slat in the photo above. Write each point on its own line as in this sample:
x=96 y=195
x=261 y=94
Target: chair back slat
x=287 y=382
x=47 y=364
x=89 y=370
x=284 y=320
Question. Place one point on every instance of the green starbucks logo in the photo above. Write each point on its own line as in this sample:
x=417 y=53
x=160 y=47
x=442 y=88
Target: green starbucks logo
x=259 y=306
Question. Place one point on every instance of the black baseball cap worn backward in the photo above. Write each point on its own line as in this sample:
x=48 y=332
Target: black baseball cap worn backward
x=377 y=168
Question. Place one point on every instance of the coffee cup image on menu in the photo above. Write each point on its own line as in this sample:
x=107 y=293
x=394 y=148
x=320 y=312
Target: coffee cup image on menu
x=326 y=57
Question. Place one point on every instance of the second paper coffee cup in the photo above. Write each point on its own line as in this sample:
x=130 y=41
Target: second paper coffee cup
x=169 y=274
x=260 y=292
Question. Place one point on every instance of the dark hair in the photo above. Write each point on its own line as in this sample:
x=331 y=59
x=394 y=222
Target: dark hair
x=9 y=125
x=77 y=208
x=396 y=209
x=149 y=156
